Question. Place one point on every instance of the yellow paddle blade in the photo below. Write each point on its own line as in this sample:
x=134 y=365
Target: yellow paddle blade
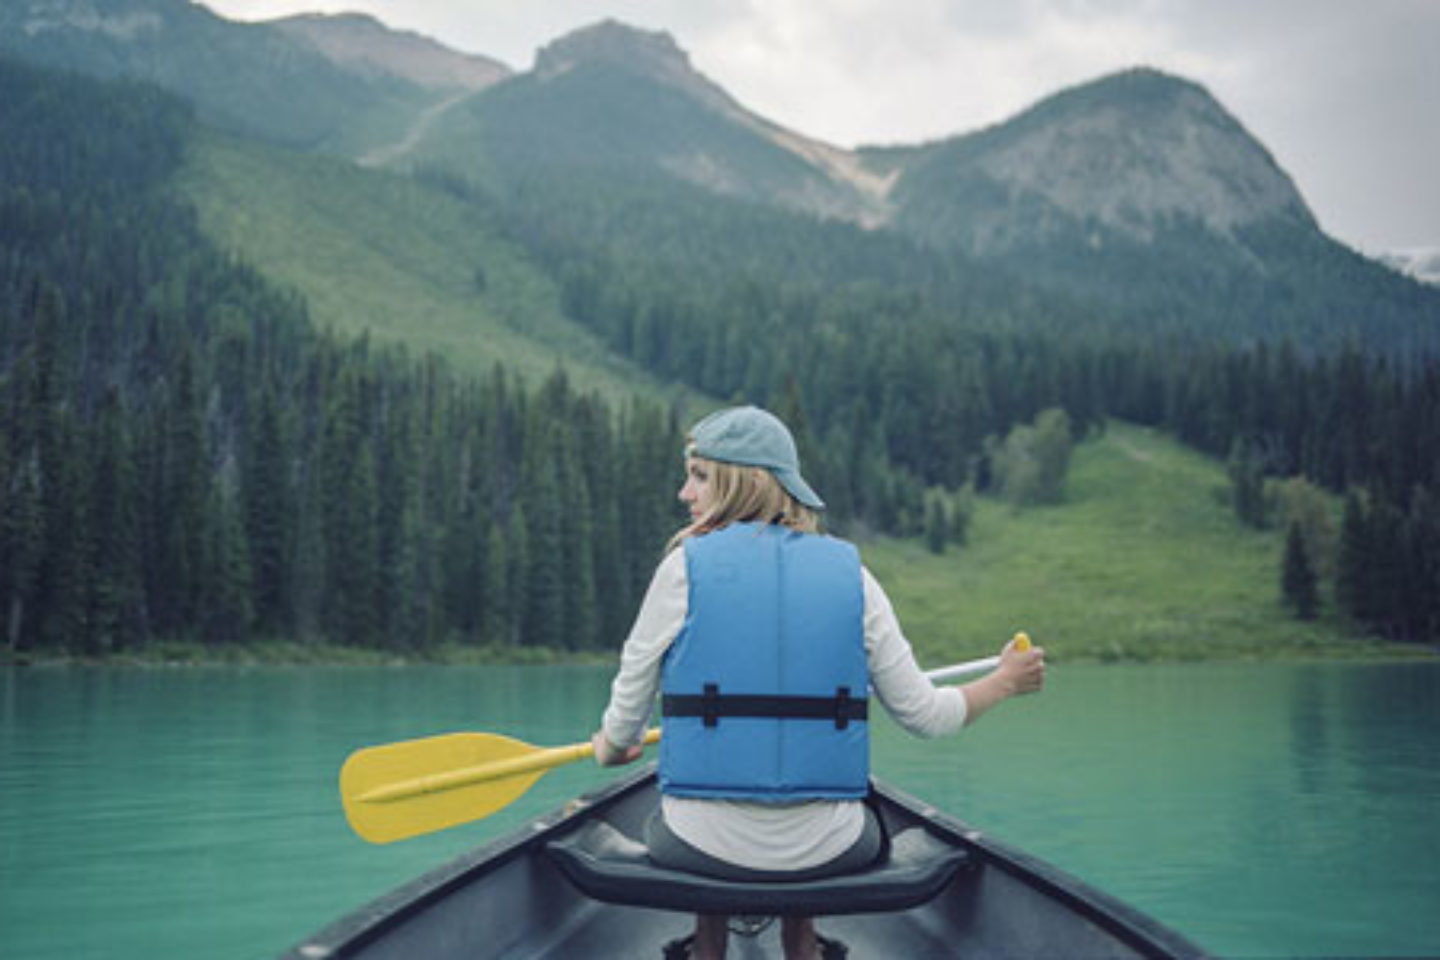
x=424 y=766
x=405 y=789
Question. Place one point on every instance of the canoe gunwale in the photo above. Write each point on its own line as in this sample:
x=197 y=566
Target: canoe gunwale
x=351 y=934
x=1135 y=928
x=357 y=929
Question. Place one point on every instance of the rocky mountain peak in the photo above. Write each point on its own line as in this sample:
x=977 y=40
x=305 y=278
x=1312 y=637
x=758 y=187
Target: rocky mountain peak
x=616 y=42
x=653 y=53
x=361 y=43
x=1136 y=148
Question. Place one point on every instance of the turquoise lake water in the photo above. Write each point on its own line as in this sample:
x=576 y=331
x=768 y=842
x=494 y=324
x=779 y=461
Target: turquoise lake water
x=1262 y=810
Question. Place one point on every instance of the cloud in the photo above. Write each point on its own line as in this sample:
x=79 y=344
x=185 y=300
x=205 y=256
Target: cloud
x=856 y=72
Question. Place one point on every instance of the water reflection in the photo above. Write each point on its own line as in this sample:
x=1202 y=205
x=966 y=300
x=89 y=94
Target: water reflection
x=1311 y=709
x=1261 y=809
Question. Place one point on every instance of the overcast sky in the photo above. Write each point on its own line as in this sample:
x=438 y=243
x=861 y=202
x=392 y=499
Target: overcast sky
x=1345 y=93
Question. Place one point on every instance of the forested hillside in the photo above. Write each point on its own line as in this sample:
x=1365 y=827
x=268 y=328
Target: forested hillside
x=392 y=255
x=257 y=79
x=1132 y=205
x=183 y=456
x=878 y=354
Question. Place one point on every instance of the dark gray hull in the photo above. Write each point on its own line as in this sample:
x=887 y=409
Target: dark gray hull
x=509 y=899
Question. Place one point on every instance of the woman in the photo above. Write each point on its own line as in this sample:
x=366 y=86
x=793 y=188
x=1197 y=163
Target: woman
x=763 y=636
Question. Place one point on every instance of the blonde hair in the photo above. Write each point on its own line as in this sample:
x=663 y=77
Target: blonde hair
x=741 y=494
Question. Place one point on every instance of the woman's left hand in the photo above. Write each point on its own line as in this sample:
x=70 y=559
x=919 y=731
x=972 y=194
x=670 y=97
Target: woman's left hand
x=609 y=755
x=1023 y=669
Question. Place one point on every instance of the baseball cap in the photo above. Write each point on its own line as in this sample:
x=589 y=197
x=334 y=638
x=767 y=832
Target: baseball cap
x=754 y=438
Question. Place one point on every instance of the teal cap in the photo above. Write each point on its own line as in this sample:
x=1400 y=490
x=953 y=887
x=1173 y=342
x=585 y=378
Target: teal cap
x=754 y=438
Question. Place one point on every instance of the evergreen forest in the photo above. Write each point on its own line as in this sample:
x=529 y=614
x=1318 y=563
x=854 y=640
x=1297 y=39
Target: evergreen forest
x=185 y=455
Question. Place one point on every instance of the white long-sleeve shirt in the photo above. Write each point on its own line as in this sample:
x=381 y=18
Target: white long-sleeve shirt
x=758 y=835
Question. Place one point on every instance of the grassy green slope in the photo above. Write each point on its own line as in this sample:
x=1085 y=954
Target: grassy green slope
x=1144 y=560
x=378 y=252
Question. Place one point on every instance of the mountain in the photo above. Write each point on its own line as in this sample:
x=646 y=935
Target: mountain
x=628 y=101
x=364 y=45
x=1131 y=153
x=282 y=83
x=1127 y=155
x=1139 y=193
x=190 y=450
x=1136 y=198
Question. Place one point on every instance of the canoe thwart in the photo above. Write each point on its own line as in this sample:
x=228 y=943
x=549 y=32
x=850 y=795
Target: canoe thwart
x=606 y=864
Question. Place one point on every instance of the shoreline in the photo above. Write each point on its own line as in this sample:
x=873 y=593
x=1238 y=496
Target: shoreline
x=197 y=655
x=180 y=655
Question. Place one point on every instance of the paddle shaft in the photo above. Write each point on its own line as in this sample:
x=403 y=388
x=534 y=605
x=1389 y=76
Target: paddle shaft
x=542 y=758
x=958 y=670
x=972 y=667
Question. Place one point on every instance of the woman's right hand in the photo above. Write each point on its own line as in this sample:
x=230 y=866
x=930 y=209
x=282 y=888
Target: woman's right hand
x=1021 y=670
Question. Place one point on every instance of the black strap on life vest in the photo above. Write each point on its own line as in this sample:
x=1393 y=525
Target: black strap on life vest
x=712 y=705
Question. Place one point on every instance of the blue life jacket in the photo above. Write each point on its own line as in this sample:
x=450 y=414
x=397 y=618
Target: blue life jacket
x=764 y=691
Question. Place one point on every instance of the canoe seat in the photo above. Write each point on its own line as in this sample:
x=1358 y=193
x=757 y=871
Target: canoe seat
x=609 y=866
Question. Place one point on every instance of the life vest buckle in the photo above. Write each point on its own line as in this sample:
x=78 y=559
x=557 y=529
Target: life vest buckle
x=710 y=705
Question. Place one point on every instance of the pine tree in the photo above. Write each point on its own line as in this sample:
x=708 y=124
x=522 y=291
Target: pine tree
x=1389 y=573
x=58 y=604
x=975 y=414
x=406 y=585
x=578 y=557
x=357 y=616
x=65 y=562
x=1353 y=561
x=937 y=526
x=22 y=518
x=350 y=605
x=1247 y=480
x=398 y=533
x=1298 y=583
x=271 y=516
x=1425 y=561
x=517 y=552
x=791 y=411
x=1305 y=504
x=1053 y=443
x=544 y=623
x=1018 y=468
x=608 y=548
x=495 y=593
x=306 y=589
x=225 y=612
x=115 y=598
x=185 y=491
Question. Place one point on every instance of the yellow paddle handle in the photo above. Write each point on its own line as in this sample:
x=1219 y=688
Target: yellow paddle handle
x=542 y=759
x=1022 y=641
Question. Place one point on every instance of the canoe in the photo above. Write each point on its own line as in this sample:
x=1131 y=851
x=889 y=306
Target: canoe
x=576 y=883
